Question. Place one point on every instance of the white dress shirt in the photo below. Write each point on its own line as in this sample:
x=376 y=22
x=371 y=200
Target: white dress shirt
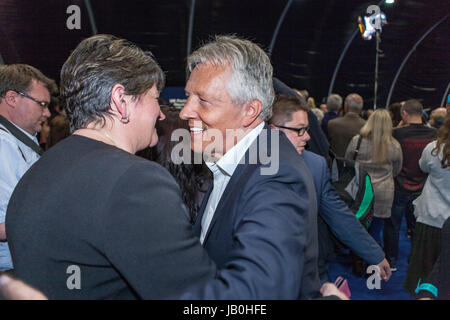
x=222 y=171
x=15 y=159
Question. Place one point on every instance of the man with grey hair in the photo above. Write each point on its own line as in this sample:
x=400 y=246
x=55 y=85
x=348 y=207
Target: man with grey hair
x=343 y=129
x=334 y=103
x=260 y=229
x=24 y=98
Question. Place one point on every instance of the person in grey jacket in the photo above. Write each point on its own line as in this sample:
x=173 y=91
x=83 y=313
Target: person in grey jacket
x=381 y=156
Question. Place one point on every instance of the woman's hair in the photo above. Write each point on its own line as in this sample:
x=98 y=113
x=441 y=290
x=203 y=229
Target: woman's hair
x=191 y=178
x=443 y=141
x=378 y=129
x=394 y=108
x=311 y=103
x=251 y=76
x=94 y=67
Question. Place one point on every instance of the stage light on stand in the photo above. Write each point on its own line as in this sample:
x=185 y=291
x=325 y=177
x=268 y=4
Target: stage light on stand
x=368 y=26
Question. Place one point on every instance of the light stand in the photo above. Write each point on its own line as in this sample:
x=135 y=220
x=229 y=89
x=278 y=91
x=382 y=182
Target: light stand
x=368 y=27
x=377 y=55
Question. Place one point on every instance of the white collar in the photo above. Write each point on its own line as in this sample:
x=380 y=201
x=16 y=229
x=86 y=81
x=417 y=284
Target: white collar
x=28 y=135
x=229 y=161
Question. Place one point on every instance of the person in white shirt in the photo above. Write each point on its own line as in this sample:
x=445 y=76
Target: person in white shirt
x=431 y=209
x=24 y=98
x=258 y=221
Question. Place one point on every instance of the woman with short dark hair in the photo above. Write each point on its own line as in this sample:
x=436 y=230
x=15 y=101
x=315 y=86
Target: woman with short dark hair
x=91 y=220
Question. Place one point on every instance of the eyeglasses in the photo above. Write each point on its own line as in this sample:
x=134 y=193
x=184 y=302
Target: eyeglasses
x=300 y=131
x=43 y=104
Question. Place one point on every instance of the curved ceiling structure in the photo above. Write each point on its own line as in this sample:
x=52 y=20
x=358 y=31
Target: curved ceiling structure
x=305 y=52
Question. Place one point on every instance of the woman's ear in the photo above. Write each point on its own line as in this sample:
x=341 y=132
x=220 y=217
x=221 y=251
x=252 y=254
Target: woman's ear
x=120 y=100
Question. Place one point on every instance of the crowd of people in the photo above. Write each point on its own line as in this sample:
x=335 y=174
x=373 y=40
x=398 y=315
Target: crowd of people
x=256 y=219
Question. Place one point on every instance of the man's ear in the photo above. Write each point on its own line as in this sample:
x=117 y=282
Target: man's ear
x=120 y=100
x=403 y=114
x=252 y=110
x=11 y=98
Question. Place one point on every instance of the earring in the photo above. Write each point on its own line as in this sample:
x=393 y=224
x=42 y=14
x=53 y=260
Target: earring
x=125 y=119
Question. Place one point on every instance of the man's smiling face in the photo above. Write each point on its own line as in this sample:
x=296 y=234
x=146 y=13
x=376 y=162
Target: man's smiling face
x=209 y=108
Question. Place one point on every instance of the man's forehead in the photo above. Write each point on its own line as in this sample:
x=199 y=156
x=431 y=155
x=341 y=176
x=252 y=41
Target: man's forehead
x=39 y=88
x=207 y=76
x=300 y=117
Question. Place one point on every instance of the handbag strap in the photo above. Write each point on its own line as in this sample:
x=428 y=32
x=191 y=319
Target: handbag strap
x=21 y=136
x=357 y=148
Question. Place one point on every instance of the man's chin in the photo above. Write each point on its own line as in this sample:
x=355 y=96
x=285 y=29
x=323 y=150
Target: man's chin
x=154 y=141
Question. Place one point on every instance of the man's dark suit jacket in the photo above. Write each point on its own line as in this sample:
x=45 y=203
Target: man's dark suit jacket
x=341 y=130
x=264 y=230
x=337 y=215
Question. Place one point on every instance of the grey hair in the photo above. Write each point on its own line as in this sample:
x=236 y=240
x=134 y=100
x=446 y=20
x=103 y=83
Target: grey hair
x=334 y=102
x=354 y=102
x=94 y=67
x=251 y=76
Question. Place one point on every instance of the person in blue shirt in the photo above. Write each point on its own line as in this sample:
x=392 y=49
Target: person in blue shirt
x=24 y=99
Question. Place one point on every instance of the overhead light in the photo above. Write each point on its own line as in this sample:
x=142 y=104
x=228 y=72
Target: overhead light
x=369 y=25
x=389 y=1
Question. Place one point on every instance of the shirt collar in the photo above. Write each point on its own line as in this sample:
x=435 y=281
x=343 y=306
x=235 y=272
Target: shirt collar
x=228 y=163
x=34 y=138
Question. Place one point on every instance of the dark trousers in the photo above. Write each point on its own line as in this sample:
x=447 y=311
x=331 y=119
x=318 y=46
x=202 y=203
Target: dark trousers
x=376 y=228
x=402 y=204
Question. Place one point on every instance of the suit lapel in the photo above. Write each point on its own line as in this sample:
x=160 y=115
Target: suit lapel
x=240 y=174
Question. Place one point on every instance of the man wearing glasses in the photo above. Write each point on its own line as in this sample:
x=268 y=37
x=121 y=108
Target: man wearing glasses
x=24 y=99
x=290 y=115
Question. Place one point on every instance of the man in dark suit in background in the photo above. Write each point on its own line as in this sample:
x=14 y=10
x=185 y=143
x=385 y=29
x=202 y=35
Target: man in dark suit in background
x=341 y=130
x=290 y=116
x=258 y=219
x=318 y=142
x=334 y=104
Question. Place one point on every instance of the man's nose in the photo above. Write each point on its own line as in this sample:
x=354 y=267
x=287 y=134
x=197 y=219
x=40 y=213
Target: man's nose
x=46 y=112
x=188 y=110
x=306 y=136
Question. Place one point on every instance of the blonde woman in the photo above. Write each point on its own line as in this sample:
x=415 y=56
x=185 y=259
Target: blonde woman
x=381 y=156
